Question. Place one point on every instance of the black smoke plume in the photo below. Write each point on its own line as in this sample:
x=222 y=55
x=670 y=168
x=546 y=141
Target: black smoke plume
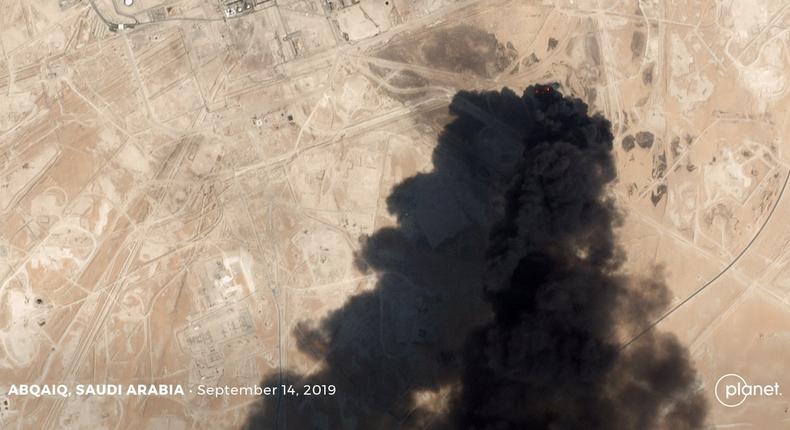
x=500 y=303
x=551 y=357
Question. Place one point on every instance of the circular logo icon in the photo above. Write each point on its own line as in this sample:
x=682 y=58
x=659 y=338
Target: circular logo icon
x=729 y=390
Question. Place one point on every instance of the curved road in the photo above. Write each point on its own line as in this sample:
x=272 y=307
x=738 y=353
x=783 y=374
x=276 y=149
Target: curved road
x=715 y=278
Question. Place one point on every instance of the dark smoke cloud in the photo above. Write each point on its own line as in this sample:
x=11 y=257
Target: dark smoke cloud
x=499 y=293
x=551 y=359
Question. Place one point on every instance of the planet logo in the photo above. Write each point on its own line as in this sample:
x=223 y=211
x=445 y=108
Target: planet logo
x=732 y=390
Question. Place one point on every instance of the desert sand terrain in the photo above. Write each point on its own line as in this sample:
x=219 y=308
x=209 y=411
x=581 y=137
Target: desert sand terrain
x=186 y=183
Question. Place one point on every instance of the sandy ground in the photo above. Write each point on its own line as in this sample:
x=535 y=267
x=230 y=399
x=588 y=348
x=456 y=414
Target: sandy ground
x=177 y=196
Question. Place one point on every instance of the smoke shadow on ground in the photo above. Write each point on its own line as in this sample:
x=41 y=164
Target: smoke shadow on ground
x=498 y=302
